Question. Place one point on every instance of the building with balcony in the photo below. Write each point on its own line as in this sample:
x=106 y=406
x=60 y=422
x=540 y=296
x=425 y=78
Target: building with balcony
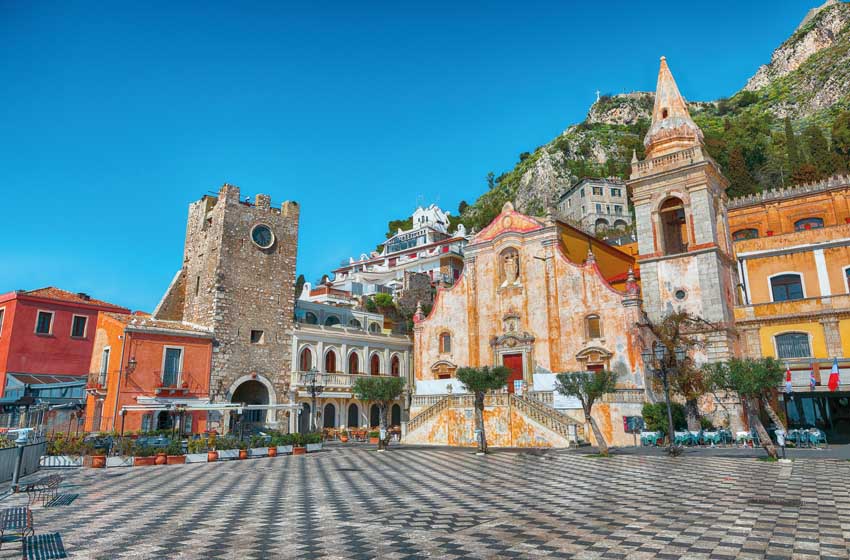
x=342 y=344
x=148 y=374
x=47 y=332
x=426 y=247
x=596 y=205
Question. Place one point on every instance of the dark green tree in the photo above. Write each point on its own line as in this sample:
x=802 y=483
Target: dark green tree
x=819 y=154
x=479 y=381
x=491 y=181
x=381 y=390
x=794 y=157
x=299 y=285
x=740 y=179
x=461 y=208
x=841 y=141
x=588 y=387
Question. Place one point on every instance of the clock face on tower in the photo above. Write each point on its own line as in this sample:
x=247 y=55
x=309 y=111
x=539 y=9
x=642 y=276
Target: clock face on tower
x=262 y=236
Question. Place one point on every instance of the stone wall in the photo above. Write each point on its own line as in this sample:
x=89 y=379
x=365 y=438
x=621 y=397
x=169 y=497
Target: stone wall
x=416 y=288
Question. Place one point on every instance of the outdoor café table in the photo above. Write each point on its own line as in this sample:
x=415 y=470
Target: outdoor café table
x=682 y=437
x=711 y=437
x=649 y=438
x=743 y=437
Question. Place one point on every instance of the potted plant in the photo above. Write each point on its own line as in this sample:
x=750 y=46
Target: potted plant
x=298 y=444
x=314 y=442
x=160 y=456
x=144 y=457
x=63 y=451
x=284 y=443
x=243 y=450
x=374 y=436
x=258 y=446
x=273 y=441
x=197 y=450
x=227 y=448
x=174 y=453
x=343 y=436
x=98 y=458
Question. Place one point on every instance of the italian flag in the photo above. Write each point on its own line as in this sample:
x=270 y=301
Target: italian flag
x=833 y=376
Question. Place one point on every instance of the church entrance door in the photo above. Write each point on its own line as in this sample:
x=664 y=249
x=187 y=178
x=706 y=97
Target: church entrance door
x=514 y=363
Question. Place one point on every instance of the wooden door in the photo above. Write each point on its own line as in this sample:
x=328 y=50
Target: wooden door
x=514 y=363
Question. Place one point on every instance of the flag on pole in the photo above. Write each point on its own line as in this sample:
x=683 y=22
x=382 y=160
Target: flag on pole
x=788 y=387
x=833 y=375
x=812 y=381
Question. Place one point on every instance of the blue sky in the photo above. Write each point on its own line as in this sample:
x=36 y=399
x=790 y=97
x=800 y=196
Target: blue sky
x=114 y=118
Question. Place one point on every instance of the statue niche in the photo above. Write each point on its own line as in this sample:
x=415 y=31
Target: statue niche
x=509 y=259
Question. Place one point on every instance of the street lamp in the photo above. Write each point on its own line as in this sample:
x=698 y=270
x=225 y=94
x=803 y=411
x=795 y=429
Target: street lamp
x=311 y=379
x=657 y=361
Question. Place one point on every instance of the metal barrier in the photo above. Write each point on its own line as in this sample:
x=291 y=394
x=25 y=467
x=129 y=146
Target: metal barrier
x=29 y=464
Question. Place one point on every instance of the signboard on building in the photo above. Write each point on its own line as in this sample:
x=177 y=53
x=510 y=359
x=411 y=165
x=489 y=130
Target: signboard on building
x=633 y=424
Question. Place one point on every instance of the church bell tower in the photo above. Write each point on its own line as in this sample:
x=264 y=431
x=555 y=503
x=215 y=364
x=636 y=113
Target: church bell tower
x=679 y=196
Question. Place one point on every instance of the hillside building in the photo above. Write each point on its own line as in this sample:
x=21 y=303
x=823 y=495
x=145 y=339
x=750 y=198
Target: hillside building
x=596 y=205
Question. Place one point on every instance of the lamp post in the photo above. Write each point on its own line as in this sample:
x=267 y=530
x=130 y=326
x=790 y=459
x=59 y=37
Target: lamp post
x=657 y=359
x=311 y=379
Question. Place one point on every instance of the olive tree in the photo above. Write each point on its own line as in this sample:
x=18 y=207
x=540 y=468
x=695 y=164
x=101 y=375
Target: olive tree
x=479 y=381
x=381 y=390
x=752 y=380
x=588 y=387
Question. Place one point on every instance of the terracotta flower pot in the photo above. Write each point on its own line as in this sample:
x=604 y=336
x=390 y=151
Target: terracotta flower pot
x=299 y=450
x=160 y=459
x=373 y=440
x=243 y=453
x=143 y=461
x=272 y=451
x=343 y=439
x=212 y=456
x=98 y=461
x=175 y=460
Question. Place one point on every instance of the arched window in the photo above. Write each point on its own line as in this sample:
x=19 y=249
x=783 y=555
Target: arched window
x=601 y=224
x=355 y=324
x=353 y=363
x=395 y=366
x=620 y=224
x=375 y=365
x=310 y=318
x=445 y=343
x=330 y=361
x=673 y=230
x=306 y=361
x=374 y=328
x=331 y=321
x=808 y=223
x=593 y=326
x=793 y=345
x=786 y=287
x=329 y=416
x=374 y=416
x=395 y=415
x=748 y=233
x=353 y=416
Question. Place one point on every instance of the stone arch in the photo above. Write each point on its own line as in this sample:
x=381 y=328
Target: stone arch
x=353 y=362
x=353 y=416
x=305 y=358
x=252 y=391
x=330 y=360
x=252 y=377
x=329 y=416
x=304 y=418
x=374 y=416
x=620 y=224
x=331 y=321
x=672 y=226
x=395 y=415
x=601 y=224
x=395 y=366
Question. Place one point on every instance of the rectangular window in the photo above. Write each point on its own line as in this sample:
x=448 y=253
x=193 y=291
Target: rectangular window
x=598 y=208
x=618 y=209
x=197 y=284
x=793 y=345
x=597 y=191
x=2 y=316
x=257 y=337
x=104 y=366
x=44 y=323
x=616 y=192
x=582 y=193
x=78 y=326
x=172 y=361
x=786 y=287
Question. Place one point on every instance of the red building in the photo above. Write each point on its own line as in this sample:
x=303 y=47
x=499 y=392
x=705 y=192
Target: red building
x=48 y=331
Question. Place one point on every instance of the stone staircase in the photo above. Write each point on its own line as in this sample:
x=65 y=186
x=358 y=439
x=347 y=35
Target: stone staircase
x=549 y=418
x=428 y=413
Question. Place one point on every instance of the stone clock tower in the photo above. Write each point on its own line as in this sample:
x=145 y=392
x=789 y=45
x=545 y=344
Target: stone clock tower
x=238 y=278
x=679 y=195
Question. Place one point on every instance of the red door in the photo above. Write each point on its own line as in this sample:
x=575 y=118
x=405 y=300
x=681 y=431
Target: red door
x=514 y=363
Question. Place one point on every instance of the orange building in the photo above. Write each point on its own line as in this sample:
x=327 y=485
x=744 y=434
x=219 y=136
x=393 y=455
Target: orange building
x=148 y=374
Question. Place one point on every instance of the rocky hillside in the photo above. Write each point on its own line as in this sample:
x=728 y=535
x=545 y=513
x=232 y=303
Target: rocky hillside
x=807 y=81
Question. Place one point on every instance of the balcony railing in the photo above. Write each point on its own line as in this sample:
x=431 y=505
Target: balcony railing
x=339 y=380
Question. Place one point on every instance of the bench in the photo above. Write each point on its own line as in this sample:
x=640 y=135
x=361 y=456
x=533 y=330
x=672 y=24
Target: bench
x=16 y=520
x=44 y=489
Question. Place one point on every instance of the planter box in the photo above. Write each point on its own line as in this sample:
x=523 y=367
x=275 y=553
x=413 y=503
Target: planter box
x=196 y=457
x=311 y=447
x=258 y=451
x=175 y=460
x=228 y=454
x=281 y=449
x=119 y=461
x=143 y=461
x=299 y=450
x=61 y=461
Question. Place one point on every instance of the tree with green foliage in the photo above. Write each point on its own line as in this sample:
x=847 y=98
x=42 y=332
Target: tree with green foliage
x=588 y=387
x=384 y=301
x=299 y=285
x=381 y=390
x=818 y=149
x=741 y=181
x=461 y=208
x=479 y=381
x=655 y=417
x=753 y=380
x=841 y=141
x=795 y=159
x=491 y=181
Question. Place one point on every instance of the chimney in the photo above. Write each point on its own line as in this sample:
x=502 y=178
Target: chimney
x=83 y=296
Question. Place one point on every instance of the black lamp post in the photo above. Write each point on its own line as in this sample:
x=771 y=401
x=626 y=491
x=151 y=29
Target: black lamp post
x=657 y=360
x=311 y=379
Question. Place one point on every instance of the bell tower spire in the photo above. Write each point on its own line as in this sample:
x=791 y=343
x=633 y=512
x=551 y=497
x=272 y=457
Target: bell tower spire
x=672 y=128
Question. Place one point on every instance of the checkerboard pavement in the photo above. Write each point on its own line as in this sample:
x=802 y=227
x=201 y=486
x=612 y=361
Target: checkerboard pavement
x=350 y=502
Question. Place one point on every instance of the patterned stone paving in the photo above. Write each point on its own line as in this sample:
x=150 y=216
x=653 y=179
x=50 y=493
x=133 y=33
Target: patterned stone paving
x=448 y=503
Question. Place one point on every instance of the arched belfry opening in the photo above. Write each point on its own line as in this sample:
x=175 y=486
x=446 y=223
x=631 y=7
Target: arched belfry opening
x=674 y=234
